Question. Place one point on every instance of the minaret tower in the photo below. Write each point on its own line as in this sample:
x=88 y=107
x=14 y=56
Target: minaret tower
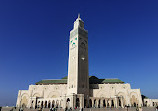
x=78 y=75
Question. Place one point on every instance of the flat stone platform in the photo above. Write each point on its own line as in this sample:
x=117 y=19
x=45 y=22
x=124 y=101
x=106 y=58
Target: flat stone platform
x=85 y=109
x=118 y=109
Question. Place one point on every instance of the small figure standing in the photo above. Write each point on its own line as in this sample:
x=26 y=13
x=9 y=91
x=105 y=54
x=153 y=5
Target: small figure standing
x=137 y=109
x=156 y=108
x=81 y=109
x=21 y=109
x=140 y=109
x=66 y=109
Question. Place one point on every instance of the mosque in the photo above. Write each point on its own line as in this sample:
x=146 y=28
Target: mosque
x=79 y=89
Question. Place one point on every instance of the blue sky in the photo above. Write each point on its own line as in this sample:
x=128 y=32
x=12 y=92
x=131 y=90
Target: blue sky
x=34 y=35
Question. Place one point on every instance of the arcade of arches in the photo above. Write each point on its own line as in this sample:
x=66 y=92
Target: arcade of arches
x=34 y=97
x=92 y=102
x=150 y=102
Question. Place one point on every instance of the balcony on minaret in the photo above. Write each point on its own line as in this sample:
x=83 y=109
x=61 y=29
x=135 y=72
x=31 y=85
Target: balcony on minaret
x=78 y=23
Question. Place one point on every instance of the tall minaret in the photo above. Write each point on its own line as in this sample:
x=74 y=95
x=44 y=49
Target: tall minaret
x=78 y=77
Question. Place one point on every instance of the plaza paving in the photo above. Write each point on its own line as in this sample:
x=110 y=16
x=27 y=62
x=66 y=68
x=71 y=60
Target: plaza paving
x=118 y=109
x=85 y=109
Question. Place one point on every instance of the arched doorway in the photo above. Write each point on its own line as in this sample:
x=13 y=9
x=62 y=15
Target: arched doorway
x=99 y=103
x=119 y=102
x=146 y=102
x=104 y=104
x=57 y=103
x=45 y=104
x=49 y=104
x=42 y=104
x=108 y=103
x=24 y=101
x=94 y=103
x=90 y=103
x=53 y=104
x=134 y=101
x=85 y=103
x=23 y=105
x=32 y=104
x=77 y=102
x=38 y=104
x=112 y=103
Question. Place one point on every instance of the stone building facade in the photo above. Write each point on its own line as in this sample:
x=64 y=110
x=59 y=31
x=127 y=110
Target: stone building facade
x=79 y=89
x=150 y=102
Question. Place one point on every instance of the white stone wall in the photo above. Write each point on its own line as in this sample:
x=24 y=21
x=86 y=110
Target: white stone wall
x=129 y=95
x=150 y=102
x=42 y=91
x=58 y=92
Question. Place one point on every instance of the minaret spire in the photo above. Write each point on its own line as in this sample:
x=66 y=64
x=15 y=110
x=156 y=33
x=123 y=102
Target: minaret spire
x=78 y=15
x=78 y=22
x=78 y=60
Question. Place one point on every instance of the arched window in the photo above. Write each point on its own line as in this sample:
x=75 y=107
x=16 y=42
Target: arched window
x=67 y=100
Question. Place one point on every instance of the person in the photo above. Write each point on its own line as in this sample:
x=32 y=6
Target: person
x=11 y=109
x=137 y=109
x=21 y=109
x=66 y=109
x=156 y=108
x=39 y=109
x=54 y=109
x=140 y=109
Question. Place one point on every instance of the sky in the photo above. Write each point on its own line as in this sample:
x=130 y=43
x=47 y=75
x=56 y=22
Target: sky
x=34 y=37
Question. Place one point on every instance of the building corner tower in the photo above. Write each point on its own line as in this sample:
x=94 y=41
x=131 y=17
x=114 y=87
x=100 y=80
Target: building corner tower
x=78 y=75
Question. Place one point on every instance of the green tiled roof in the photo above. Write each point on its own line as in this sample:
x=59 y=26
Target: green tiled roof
x=92 y=80
x=64 y=77
x=93 y=77
x=102 y=81
x=53 y=81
